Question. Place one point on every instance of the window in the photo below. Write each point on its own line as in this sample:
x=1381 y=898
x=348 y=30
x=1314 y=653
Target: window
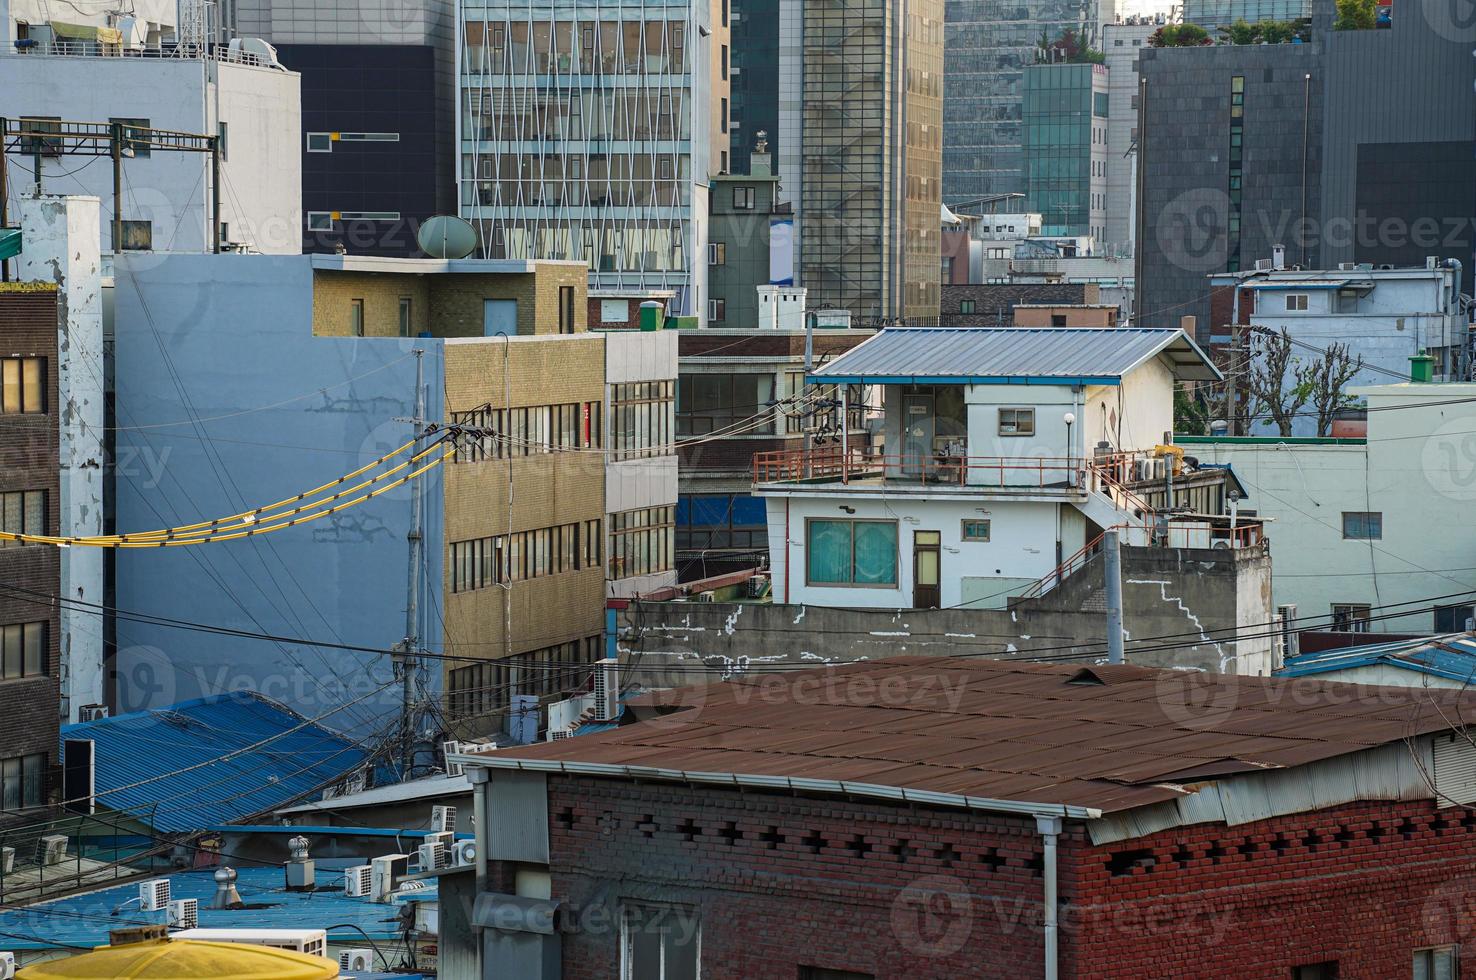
x=22 y=651
x=851 y=553
x=1296 y=302
x=1316 y=971
x=222 y=140
x=369 y=215
x=743 y=198
x=407 y=319
x=368 y=137
x=1017 y=421
x=22 y=385
x=717 y=309
x=22 y=512
x=1454 y=619
x=976 y=530
x=356 y=318
x=481 y=563
x=725 y=60
x=1437 y=963
x=496 y=433
x=658 y=942
x=642 y=414
x=966 y=306
x=717 y=253
x=320 y=220
x=723 y=114
x=566 y=309
x=706 y=402
x=1058 y=319
x=138 y=236
x=23 y=782
x=1363 y=525
x=320 y=142
x=642 y=542
x=1350 y=617
x=133 y=140
x=723 y=156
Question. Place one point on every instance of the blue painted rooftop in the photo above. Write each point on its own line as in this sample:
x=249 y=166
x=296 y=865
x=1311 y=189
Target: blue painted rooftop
x=84 y=920
x=1452 y=656
x=234 y=780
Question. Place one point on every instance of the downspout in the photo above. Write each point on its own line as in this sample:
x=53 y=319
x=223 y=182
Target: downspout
x=786 y=551
x=481 y=782
x=1050 y=830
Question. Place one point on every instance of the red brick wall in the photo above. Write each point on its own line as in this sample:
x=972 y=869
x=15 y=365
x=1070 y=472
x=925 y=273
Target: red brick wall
x=780 y=882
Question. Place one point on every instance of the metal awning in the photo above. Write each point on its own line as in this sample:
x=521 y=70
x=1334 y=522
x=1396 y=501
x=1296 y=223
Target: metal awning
x=10 y=243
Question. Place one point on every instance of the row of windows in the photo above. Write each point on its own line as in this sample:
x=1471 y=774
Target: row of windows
x=574 y=114
x=605 y=47
x=22 y=512
x=23 y=781
x=484 y=562
x=22 y=651
x=642 y=542
x=561 y=669
x=642 y=415
x=514 y=432
x=22 y=385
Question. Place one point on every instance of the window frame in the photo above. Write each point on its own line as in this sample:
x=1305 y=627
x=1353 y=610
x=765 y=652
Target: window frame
x=324 y=145
x=1351 y=617
x=357 y=325
x=320 y=220
x=36 y=386
x=969 y=537
x=1452 y=950
x=1369 y=522
x=1297 y=302
x=628 y=966
x=893 y=585
x=1016 y=411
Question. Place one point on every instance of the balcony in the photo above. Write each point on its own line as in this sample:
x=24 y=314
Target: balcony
x=862 y=469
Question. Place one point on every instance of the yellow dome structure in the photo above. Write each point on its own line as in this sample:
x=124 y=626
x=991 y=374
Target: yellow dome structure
x=184 y=959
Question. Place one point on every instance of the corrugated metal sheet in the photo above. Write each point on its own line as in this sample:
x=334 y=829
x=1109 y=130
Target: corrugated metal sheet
x=1451 y=656
x=234 y=781
x=992 y=732
x=1454 y=768
x=1015 y=355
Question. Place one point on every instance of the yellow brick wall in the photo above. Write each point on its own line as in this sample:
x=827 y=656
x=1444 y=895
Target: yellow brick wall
x=334 y=292
x=546 y=490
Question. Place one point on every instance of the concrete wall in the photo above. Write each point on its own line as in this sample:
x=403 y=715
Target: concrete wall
x=1180 y=608
x=226 y=401
x=1132 y=415
x=649 y=481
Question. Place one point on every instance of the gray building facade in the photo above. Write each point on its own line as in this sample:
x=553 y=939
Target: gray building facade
x=988 y=44
x=755 y=79
x=743 y=208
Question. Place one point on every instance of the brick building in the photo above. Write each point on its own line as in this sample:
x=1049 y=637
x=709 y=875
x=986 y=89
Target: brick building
x=983 y=819
x=993 y=304
x=29 y=466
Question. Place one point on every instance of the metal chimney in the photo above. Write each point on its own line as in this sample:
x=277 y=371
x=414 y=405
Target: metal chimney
x=301 y=870
x=226 y=896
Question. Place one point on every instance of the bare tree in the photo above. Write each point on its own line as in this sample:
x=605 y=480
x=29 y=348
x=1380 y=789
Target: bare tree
x=1274 y=379
x=1327 y=377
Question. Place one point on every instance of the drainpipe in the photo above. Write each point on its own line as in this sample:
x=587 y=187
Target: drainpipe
x=480 y=780
x=1050 y=830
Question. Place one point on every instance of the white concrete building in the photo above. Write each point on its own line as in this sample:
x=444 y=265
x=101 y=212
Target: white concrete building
x=1006 y=453
x=583 y=135
x=112 y=68
x=1385 y=316
x=1367 y=529
x=1122 y=42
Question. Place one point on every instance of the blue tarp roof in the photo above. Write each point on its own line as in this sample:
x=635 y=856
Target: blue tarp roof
x=84 y=920
x=234 y=781
x=1014 y=355
x=1451 y=655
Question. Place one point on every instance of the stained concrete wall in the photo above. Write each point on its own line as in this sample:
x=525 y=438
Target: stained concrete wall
x=1182 y=608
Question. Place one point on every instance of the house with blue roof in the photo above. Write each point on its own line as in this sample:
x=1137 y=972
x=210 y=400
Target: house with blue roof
x=1445 y=661
x=1005 y=454
x=214 y=760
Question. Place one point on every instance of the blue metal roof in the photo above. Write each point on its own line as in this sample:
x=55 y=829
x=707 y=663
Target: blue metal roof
x=1452 y=656
x=84 y=920
x=234 y=780
x=1014 y=356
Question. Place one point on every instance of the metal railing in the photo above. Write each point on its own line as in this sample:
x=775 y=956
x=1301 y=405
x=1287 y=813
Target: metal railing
x=1108 y=474
x=100 y=848
x=81 y=48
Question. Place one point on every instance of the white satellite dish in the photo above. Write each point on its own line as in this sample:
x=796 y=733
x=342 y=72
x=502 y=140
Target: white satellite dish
x=447 y=237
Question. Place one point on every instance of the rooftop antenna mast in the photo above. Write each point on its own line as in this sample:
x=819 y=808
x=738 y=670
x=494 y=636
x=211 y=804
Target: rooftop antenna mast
x=407 y=661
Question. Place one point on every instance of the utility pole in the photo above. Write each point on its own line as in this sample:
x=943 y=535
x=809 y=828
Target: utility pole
x=408 y=660
x=1112 y=549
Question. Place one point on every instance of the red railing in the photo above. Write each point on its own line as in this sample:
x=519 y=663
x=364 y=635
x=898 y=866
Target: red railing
x=1070 y=566
x=831 y=464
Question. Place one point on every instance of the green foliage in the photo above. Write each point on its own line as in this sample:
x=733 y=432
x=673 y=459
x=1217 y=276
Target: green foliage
x=1356 y=15
x=1264 y=32
x=1067 y=49
x=1180 y=36
x=1191 y=415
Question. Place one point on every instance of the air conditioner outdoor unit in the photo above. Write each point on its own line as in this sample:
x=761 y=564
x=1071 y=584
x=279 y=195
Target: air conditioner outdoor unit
x=51 y=849
x=184 y=913
x=708 y=596
x=561 y=733
x=443 y=819
x=387 y=871
x=448 y=749
x=758 y=585
x=153 y=895
x=360 y=960
x=430 y=856
x=7 y=965
x=7 y=860
x=606 y=688
x=358 y=881
x=463 y=854
x=92 y=712
x=313 y=942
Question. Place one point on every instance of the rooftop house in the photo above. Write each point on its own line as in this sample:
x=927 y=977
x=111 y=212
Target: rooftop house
x=962 y=817
x=1002 y=453
x=1446 y=661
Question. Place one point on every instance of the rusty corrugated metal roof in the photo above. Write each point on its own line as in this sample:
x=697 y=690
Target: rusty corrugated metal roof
x=1111 y=740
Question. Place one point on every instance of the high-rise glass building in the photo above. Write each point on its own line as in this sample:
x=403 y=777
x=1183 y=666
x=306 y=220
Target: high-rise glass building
x=1214 y=14
x=988 y=45
x=1065 y=115
x=860 y=148
x=585 y=134
x=755 y=78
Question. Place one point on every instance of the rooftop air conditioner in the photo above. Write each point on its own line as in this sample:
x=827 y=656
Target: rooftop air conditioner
x=358 y=881
x=448 y=749
x=1263 y=265
x=463 y=854
x=606 y=688
x=707 y=596
x=313 y=942
x=431 y=856
x=184 y=913
x=7 y=965
x=51 y=849
x=562 y=733
x=7 y=860
x=92 y=712
x=359 y=960
x=153 y=895
x=387 y=870
x=443 y=819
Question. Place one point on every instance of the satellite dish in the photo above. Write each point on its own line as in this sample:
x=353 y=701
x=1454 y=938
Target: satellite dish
x=447 y=237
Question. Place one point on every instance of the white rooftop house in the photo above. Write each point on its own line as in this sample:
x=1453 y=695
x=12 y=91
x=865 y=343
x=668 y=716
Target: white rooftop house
x=162 y=66
x=1006 y=452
